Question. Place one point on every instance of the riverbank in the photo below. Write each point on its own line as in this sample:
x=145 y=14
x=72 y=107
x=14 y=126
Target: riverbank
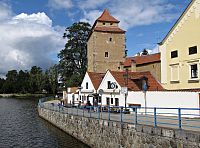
x=28 y=95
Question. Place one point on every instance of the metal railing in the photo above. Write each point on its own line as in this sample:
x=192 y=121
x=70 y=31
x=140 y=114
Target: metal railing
x=178 y=118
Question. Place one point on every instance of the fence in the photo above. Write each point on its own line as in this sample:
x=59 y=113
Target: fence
x=154 y=116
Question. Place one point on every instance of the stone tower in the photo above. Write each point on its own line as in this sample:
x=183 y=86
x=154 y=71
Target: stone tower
x=106 y=44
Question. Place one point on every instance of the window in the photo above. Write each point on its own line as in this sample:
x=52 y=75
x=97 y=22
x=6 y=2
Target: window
x=175 y=72
x=193 y=50
x=109 y=85
x=111 y=24
x=86 y=85
x=111 y=101
x=110 y=39
x=107 y=101
x=99 y=100
x=106 y=54
x=174 y=54
x=104 y=23
x=193 y=71
x=116 y=101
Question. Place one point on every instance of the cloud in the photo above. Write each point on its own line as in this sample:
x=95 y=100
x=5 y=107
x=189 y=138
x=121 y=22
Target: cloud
x=60 y=4
x=27 y=40
x=5 y=11
x=91 y=4
x=134 y=13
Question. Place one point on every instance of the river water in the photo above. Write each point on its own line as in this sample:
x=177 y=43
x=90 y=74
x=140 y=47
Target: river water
x=20 y=127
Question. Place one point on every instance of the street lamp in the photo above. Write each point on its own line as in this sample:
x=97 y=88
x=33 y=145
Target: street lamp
x=126 y=84
x=144 y=88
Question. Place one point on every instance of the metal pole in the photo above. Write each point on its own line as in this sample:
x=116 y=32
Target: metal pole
x=101 y=105
x=109 y=113
x=145 y=102
x=98 y=112
x=135 y=115
x=155 y=118
x=179 y=119
x=121 y=115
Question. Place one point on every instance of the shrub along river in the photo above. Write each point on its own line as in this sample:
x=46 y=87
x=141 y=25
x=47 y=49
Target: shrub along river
x=20 y=126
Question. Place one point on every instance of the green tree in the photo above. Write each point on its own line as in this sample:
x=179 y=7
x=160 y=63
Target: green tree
x=2 y=81
x=53 y=79
x=23 y=81
x=10 y=85
x=73 y=58
x=35 y=81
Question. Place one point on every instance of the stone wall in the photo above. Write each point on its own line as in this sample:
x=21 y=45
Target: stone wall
x=103 y=134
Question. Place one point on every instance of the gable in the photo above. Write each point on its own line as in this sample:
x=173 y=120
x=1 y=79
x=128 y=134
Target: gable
x=192 y=8
x=87 y=79
x=108 y=77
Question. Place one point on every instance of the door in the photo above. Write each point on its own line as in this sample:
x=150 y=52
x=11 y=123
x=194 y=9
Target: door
x=116 y=101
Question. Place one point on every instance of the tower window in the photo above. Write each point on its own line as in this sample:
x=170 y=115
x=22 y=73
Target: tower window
x=106 y=54
x=110 y=39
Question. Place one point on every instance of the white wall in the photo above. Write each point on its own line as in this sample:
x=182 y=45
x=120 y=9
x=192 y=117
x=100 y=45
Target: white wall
x=166 y=99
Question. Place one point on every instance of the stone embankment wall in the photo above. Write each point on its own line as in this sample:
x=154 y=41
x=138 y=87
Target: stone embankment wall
x=103 y=134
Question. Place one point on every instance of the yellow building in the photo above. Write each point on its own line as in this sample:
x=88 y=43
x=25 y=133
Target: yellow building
x=180 y=54
x=106 y=44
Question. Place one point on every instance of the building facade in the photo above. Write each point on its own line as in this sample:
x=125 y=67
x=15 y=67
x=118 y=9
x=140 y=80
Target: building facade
x=180 y=54
x=106 y=44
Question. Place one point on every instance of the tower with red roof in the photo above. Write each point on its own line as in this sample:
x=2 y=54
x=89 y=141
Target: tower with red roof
x=106 y=44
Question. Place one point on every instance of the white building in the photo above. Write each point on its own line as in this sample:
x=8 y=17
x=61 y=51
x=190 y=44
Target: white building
x=89 y=87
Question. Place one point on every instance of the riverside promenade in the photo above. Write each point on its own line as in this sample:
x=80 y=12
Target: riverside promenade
x=99 y=128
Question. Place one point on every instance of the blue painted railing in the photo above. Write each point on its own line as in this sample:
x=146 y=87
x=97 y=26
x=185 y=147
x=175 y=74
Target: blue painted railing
x=181 y=118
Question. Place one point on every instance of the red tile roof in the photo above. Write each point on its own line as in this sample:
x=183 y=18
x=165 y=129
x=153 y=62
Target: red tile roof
x=142 y=59
x=109 y=29
x=106 y=17
x=153 y=84
x=96 y=78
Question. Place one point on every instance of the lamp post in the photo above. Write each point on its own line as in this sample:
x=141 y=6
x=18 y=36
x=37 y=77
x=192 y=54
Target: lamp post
x=126 y=84
x=145 y=87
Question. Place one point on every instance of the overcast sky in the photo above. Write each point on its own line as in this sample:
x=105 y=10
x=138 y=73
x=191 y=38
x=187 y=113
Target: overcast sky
x=31 y=30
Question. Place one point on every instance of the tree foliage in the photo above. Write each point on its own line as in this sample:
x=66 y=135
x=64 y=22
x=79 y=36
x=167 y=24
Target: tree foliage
x=33 y=81
x=73 y=58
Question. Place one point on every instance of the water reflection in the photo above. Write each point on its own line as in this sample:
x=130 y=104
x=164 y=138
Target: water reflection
x=20 y=127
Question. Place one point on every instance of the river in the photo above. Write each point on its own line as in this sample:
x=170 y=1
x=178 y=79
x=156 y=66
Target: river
x=20 y=127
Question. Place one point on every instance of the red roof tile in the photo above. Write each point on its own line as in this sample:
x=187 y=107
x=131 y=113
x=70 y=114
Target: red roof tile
x=109 y=29
x=142 y=59
x=96 y=78
x=153 y=84
x=105 y=16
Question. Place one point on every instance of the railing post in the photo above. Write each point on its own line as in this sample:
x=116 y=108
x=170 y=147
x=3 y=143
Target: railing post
x=90 y=111
x=121 y=115
x=135 y=115
x=109 y=113
x=179 y=118
x=98 y=112
x=77 y=110
x=155 y=118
